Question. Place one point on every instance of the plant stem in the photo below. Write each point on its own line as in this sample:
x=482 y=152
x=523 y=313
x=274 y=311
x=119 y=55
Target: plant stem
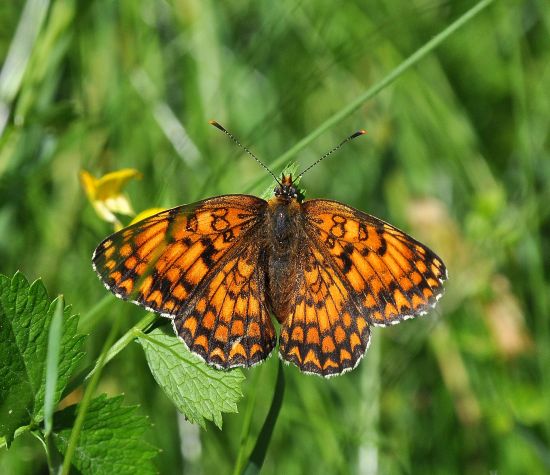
x=124 y=341
x=247 y=421
x=257 y=456
x=84 y=404
x=89 y=319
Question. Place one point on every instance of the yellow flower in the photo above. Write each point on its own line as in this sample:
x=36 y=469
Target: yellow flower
x=106 y=195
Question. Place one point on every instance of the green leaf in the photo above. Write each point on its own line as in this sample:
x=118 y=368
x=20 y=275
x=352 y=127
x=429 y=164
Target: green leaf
x=110 y=439
x=25 y=316
x=198 y=391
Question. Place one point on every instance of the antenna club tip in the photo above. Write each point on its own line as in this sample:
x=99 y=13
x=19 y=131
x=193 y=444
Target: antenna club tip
x=217 y=125
x=356 y=134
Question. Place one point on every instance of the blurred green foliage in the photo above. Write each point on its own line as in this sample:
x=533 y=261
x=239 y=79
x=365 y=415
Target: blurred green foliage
x=457 y=154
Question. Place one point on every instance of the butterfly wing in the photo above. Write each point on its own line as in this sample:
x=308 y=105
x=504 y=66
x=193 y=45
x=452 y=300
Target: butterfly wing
x=356 y=271
x=392 y=276
x=199 y=265
x=325 y=332
x=227 y=323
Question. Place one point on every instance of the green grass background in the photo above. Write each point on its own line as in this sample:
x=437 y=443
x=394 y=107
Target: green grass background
x=457 y=154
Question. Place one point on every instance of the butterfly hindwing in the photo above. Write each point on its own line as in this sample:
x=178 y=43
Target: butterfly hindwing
x=227 y=323
x=391 y=275
x=325 y=333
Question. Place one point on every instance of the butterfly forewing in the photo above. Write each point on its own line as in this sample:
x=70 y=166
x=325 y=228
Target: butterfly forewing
x=199 y=264
x=388 y=274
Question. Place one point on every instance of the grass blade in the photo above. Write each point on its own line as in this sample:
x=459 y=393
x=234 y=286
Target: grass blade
x=52 y=360
x=11 y=75
x=247 y=423
x=379 y=86
x=52 y=366
x=257 y=457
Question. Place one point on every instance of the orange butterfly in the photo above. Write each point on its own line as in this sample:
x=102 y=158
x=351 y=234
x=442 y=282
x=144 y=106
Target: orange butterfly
x=218 y=268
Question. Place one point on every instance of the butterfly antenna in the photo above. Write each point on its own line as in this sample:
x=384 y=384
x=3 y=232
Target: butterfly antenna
x=351 y=137
x=234 y=139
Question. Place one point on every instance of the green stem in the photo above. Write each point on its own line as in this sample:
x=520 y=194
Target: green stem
x=257 y=456
x=84 y=404
x=247 y=421
x=49 y=460
x=371 y=92
x=124 y=341
x=89 y=319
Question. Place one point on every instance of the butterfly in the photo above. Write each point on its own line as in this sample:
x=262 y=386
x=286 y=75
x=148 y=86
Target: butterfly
x=219 y=268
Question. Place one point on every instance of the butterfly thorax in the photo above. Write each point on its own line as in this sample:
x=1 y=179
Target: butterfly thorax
x=283 y=217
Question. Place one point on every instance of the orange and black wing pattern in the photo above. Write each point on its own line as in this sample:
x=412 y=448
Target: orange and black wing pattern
x=355 y=271
x=389 y=275
x=199 y=265
x=325 y=333
x=228 y=323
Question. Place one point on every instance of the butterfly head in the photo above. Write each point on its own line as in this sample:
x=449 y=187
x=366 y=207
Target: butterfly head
x=287 y=191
